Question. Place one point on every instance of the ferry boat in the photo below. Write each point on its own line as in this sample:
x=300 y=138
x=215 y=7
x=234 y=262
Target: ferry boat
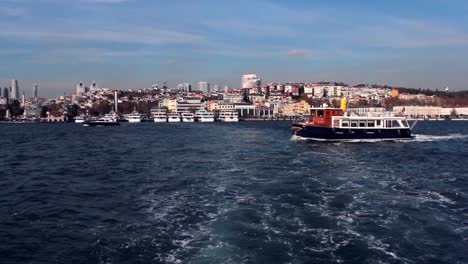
x=103 y=121
x=80 y=119
x=188 y=117
x=335 y=124
x=159 y=117
x=228 y=116
x=112 y=115
x=204 y=116
x=173 y=117
x=134 y=117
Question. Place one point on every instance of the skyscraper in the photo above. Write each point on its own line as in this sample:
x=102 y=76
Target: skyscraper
x=204 y=87
x=80 y=89
x=14 y=89
x=34 y=96
x=184 y=87
x=250 y=81
x=6 y=92
x=226 y=88
x=216 y=87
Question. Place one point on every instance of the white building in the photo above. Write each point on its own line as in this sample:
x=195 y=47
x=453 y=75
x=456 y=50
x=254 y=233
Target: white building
x=204 y=87
x=184 y=87
x=250 y=81
x=80 y=89
x=35 y=87
x=93 y=87
x=14 y=89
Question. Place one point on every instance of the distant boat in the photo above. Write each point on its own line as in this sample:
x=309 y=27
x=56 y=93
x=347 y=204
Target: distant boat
x=228 y=116
x=159 y=116
x=134 y=117
x=188 y=117
x=81 y=119
x=204 y=116
x=173 y=117
x=103 y=121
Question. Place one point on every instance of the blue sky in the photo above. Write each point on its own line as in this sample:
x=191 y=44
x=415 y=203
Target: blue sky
x=133 y=43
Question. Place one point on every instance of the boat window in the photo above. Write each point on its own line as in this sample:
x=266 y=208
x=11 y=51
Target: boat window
x=370 y=123
x=378 y=123
x=345 y=123
x=395 y=123
x=405 y=123
x=388 y=123
x=320 y=113
x=362 y=123
x=353 y=123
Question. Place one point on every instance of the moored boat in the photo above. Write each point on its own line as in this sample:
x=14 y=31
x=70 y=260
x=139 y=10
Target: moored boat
x=173 y=117
x=228 y=116
x=204 y=116
x=187 y=117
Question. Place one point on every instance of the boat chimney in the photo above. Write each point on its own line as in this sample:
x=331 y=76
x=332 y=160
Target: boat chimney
x=344 y=105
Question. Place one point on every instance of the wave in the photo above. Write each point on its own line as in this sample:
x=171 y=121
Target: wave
x=425 y=138
x=416 y=138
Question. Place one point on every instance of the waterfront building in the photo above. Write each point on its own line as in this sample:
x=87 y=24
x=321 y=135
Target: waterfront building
x=6 y=92
x=250 y=81
x=296 y=108
x=418 y=111
x=34 y=96
x=80 y=89
x=186 y=107
x=170 y=104
x=226 y=88
x=14 y=89
x=216 y=87
x=204 y=87
x=184 y=87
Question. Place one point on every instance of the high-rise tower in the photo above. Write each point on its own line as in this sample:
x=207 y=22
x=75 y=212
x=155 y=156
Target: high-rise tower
x=34 y=96
x=14 y=89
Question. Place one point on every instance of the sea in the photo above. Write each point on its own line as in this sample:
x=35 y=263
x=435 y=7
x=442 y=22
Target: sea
x=246 y=192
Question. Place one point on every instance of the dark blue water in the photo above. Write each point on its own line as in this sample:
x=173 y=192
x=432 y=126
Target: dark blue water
x=230 y=193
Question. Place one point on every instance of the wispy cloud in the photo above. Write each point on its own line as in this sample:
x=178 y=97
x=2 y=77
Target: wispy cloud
x=297 y=53
x=407 y=33
x=12 y=11
x=140 y=35
x=69 y=56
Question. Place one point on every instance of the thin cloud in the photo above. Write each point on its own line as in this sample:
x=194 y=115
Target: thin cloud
x=140 y=36
x=171 y=62
x=297 y=53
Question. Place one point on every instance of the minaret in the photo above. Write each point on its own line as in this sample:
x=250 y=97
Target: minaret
x=115 y=101
x=35 y=92
x=23 y=98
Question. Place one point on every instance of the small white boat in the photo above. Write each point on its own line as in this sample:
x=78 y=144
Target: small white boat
x=103 y=121
x=188 y=117
x=173 y=117
x=134 y=117
x=228 y=116
x=204 y=116
x=81 y=119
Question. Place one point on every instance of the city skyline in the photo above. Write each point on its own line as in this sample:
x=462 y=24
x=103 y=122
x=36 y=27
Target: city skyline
x=421 y=45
